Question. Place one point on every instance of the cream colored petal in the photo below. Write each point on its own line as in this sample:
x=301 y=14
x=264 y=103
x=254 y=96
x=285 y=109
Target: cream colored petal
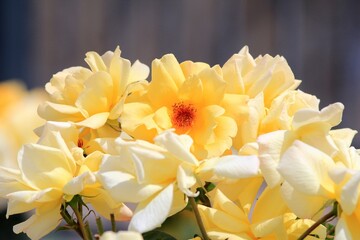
x=221 y=202
x=347 y=228
x=38 y=226
x=223 y=220
x=213 y=86
x=203 y=130
x=193 y=68
x=306 y=169
x=97 y=95
x=119 y=70
x=44 y=167
x=68 y=131
x=331 y=115
x=154 y=213
x=9 y=175
x=95 y=62
x=95 y=121
x=30 y=196
x=139 y=71
x=59 y=112
x=272 y=226
x=55 y=140
x=167 y=77
x=162 y=118
x=269 y=205
x=296 y=227
x=172 y=67
x=217 y=235
x=186 y=179
x=105 y=205
x=135 y=114
x=270 y=149
x=180 y=201
x=77 y=184
x=268 y=167
x=235 y=167
x=18 y=207
x=303 y=205
x=123 y=187
x=349 y=198
x=121 y=235
x=178 y=145
x=192 y=91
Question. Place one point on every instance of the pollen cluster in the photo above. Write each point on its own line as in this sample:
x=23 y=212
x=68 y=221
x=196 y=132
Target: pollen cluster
x=183 y=115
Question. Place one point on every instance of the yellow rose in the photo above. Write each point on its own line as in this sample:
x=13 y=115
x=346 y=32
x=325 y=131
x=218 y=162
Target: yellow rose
x=160 y=176
x=187 y=97
x=121 y=235
x=16 y=105
x=270 y=219
x=49 y=173
x=253 y=85
x=94 y=97
x=347 y=184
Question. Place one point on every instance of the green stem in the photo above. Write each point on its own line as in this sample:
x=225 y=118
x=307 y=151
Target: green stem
x=113 y=223
x=80 y=221
x=323 y=219
x=66 y=216
x=88 y=231
x=198 y=218
x=100 y=226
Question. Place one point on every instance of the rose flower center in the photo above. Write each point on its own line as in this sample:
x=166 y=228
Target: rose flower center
x=183 y=115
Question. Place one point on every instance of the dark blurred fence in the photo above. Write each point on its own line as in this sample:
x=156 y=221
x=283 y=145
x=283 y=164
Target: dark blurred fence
x=320 y=39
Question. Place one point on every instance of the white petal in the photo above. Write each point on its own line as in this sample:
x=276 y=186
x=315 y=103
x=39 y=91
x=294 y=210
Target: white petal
x=121 y=235
x=38 y=226
x=235 y=167
x=306 y=169
x=341 y=231
x=139 y=71
x=186 y=179
x=350 y=194
x=303 y=205
x=177 y=145
x=77 y=184
x=123 y=187
x=154 y=213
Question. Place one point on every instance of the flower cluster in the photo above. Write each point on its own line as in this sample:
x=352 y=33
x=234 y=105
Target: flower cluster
x=239 y=145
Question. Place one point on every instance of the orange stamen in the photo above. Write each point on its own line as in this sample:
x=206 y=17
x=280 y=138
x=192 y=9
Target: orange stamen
x=183 y=115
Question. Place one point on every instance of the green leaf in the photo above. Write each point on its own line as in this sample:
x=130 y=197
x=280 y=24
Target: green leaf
x=157 y=235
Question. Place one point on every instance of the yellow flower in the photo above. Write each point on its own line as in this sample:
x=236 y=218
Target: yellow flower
x=347 y=182
x=187 y=97
x=307 y=186
x=121 y=235
x=269 y=220
x=283 y=108
x=154 y=175
x=269 y=75
x=93 y=97
x=159 y=176
x=254 y=84
x=49 y=173
x=308 y=125
x=11 y=91
x=17 y=105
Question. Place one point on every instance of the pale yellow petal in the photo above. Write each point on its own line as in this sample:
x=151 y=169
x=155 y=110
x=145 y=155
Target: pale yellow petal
x=38 y=226
x=167 y=77
x=97 y=95
x=306 y=169
x=44 y=167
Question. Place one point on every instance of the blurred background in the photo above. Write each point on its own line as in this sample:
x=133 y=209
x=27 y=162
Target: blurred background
x=320 y=39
